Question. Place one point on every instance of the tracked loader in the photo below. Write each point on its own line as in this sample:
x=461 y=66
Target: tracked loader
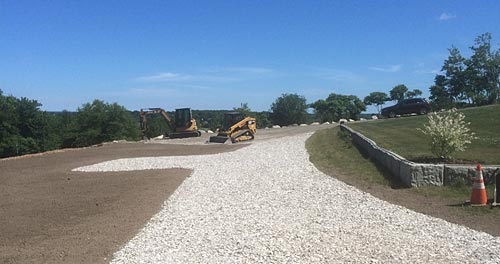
x=236 y=127
x=183 y=126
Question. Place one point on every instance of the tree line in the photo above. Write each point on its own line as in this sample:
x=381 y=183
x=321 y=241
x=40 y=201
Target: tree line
x=26 y=129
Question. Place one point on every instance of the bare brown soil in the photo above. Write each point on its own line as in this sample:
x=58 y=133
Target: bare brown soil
x=49 y=214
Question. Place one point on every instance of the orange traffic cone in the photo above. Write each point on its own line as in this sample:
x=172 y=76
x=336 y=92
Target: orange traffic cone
x=478 y=191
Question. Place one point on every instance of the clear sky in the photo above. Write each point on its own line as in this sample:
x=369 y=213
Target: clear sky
x=219 y=54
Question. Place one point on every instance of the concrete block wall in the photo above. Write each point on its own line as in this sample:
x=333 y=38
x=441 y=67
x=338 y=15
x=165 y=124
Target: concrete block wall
x=414 y=174
x=452 y=172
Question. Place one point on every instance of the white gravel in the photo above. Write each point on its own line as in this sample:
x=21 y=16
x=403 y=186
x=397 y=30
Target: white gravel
x=267 y=203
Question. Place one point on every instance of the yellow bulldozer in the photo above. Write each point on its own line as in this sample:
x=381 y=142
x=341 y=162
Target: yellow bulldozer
x=182 y=126
x=236 y=127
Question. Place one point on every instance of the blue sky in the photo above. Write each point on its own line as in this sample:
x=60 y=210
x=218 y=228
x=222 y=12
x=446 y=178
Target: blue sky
x=218 y=54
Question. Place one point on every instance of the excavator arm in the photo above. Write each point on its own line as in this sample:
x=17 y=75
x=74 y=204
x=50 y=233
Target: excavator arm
x=151 y=111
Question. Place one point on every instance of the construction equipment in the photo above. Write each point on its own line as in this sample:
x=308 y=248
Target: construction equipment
x=236 y=127
x=182 y=126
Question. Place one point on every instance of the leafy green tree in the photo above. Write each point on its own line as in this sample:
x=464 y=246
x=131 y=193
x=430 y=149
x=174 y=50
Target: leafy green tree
x=32 y=125
x=324 y=110
x=398 y=92
x=209 y=119
x=413 y=94
x=440 y=96
x=263 y=120
x=99 y=122
x=66 y=120
x=51 y=133
x=337 y=106
x=376 y=98
x=455 y=72
x=289 y=109
x=484 y=71
x=25 y=128
x=474 y=80
x=212 y=119
x=9 y=133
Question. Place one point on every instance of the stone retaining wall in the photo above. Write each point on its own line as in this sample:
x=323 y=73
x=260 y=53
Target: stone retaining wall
x=416 y=174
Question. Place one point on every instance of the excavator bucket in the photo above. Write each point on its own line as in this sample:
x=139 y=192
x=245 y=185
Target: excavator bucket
x=218 y=139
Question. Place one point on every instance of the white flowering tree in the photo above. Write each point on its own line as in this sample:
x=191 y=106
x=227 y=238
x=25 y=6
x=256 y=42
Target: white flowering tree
x=449 y=132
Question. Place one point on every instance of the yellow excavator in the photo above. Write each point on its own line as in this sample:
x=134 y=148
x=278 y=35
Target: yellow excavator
x=236 y=127
x=183 y=126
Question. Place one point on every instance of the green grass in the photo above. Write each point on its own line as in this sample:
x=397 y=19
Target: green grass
x=332 y=151
x=401 y=135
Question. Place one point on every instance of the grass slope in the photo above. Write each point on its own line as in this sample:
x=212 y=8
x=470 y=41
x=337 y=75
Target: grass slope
x=402 y=136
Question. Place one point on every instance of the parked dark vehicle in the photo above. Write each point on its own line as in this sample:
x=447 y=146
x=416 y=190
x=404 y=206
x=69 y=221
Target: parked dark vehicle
x=407 y=106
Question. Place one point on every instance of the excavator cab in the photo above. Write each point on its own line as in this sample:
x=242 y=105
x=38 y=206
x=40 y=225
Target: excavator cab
x=185 y=124
x=183 y=117
x=236 y=127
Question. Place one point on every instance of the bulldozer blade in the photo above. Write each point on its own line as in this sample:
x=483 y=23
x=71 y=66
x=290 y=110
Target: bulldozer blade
x=218 y=139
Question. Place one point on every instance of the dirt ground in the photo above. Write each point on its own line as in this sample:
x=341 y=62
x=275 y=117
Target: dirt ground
x=49 y=214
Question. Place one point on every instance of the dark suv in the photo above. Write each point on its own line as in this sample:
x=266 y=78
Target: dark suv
x=407 y=106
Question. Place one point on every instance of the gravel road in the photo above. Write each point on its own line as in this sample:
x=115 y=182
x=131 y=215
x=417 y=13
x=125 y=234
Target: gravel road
x=266 y=203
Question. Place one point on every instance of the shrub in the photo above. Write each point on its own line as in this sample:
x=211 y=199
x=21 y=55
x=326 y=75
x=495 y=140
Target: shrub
x=449 y=132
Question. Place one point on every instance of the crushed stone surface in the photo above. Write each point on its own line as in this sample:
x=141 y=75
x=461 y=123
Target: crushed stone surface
x=266 y=203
